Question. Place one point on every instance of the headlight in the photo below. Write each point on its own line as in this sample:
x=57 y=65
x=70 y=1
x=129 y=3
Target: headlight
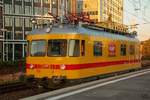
x=31 y=66
x=62 y=66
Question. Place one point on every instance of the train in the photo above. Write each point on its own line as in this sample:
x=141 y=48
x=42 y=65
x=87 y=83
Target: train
x=71 y=52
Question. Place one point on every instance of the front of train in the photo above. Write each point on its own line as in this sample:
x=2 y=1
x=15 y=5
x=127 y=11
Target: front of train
x=50 y=52
x=53 y=46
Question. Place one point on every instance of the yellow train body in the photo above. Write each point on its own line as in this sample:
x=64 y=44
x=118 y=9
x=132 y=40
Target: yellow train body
x=85 y=65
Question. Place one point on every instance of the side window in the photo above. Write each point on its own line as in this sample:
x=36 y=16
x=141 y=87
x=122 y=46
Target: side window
x=74 y=48
x=97 y=48
x=83 y=48
x=132 y=49
x=123 y=50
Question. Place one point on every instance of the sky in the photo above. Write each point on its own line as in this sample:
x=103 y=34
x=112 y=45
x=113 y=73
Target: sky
x=138 y=13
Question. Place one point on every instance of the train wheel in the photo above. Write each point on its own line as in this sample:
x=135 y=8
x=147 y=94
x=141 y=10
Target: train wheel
x=53 y=83
x=31 y=83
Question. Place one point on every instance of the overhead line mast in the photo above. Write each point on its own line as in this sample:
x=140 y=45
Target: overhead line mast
x=73 y=6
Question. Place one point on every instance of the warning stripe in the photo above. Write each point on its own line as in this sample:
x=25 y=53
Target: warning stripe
x=81 y=66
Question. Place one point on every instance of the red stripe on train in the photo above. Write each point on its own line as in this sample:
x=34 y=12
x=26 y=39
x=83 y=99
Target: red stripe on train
x=80 y=66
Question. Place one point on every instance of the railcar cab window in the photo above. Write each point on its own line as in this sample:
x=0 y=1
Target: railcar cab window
x=38 y=48
x=123 y=50
x=74 y=48
x=57 y=47
x=97 y=48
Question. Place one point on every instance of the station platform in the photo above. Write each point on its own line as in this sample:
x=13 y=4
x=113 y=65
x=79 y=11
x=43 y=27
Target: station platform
x=129 y=86
x=136 y=88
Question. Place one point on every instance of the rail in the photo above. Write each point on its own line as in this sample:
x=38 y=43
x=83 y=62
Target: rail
x=10 y=87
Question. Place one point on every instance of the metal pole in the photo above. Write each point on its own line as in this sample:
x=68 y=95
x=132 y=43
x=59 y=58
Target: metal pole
x=42 y=13
x=13 y=19
x=3 y=34
x=66 y=10
x=13 y=30
x=23 y=51
x=33 y=12
x=50 y=4
x=41 y=7
x=23 y=21
x=7 y=51
x=3 y=51
x=13 y=50
x=62 y=11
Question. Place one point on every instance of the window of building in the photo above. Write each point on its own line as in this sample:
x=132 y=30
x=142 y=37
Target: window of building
x=27 y=0
x=28 y=23
x=18 y=9
x=83 y=47
x=8 y=21
x=8 y=48
x=97 y=48
x=132 y=49
x=38 y=48
x=37 y=1
x=18 y=51
x=74 y=48
x=85 y=6
x=37 y=10
x=18 y=34
x=46 y=10
x=123 y=50
x=46 y=1
x=57 y=47
x=8 y=8
x=28 y=10
x=18 y=22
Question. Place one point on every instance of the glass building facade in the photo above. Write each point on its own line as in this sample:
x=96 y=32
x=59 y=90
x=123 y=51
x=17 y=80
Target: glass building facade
x=100 y=10
x=16 y=22
x=113 y=8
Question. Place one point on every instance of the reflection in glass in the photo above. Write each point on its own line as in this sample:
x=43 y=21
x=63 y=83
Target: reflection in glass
x=74 y=48
x=57 y=47
x=38 y=48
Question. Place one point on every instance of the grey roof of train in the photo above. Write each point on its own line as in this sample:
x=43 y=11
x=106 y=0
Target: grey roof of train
x=82 y=30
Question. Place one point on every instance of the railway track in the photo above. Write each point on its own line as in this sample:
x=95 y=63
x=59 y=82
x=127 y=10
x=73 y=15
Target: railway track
x=5 y=88
x=68 y=91
x=11 y=87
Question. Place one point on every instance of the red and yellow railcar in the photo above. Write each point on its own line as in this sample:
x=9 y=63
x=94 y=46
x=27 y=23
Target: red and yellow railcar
x=78 y=52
